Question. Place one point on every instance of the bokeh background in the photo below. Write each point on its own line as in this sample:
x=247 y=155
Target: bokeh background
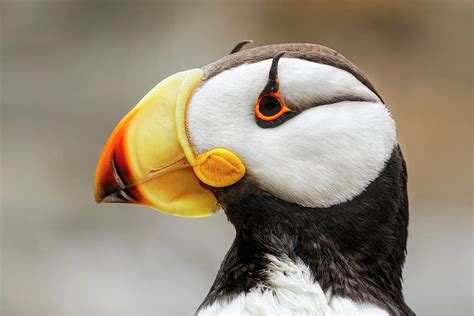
x=71 y=69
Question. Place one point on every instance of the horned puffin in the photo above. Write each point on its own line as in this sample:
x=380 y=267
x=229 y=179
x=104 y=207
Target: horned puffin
x=299 y=150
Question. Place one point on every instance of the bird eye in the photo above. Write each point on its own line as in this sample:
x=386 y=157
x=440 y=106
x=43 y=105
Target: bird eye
x=270 y=107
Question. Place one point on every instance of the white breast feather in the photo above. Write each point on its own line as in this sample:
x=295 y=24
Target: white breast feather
x=290 y=291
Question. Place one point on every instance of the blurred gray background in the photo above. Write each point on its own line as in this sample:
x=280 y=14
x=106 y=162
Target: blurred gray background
x=71 y=69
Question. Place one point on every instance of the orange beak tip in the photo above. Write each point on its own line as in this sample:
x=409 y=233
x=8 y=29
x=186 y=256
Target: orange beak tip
x=98 y=196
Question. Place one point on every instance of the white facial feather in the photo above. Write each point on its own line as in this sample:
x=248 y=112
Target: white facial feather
x=324 y=156
x=290 y=290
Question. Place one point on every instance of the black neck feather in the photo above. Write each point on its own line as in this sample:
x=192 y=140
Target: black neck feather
x=354 y=250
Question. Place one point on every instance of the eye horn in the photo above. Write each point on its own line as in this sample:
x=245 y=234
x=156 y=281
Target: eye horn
x=273 y=83
x=270 y=105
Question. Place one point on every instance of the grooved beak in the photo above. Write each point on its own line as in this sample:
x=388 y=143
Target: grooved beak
x=148 y=160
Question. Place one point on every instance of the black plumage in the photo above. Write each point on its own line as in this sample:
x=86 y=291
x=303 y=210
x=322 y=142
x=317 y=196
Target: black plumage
x=355 y=249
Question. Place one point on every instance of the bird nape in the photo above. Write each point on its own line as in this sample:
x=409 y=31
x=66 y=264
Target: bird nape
x=298 y=148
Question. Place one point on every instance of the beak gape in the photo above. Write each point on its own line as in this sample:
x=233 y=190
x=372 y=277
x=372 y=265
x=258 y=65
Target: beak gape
x=148 y=158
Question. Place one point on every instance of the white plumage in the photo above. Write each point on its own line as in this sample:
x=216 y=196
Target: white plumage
x=332 y=151
x=290 y=290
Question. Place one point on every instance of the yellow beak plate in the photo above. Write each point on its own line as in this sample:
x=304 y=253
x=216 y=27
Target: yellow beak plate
x=144 y=160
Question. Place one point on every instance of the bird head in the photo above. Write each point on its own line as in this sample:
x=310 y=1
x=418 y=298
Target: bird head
x=295 y=122
x=299 y=150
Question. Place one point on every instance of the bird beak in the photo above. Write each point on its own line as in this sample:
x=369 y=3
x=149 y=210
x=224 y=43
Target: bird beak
x=148 y=159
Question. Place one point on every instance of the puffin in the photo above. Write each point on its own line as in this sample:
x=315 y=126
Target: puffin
x=299 y=150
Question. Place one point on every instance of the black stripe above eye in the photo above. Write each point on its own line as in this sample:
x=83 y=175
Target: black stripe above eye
x=288 y=115
x=341 y=98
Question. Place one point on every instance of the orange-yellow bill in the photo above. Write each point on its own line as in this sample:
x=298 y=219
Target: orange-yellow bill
x=148 y=159
x=143 y=161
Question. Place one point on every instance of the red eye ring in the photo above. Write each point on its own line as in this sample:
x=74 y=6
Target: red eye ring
x=270 y=97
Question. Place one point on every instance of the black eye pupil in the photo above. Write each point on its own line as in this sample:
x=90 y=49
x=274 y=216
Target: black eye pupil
x=269 y=106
